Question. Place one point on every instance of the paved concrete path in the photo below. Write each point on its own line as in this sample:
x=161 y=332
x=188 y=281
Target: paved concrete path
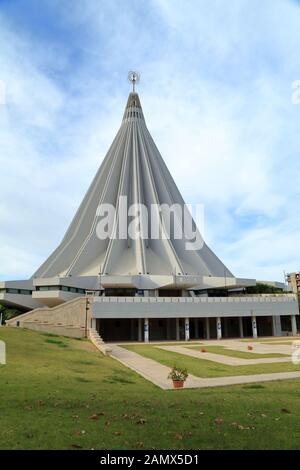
x=158 y=373
x=198 y=382
x=147 y=368
x=221 y=359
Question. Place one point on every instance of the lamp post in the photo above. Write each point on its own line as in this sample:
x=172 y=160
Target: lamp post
x=100 y=281
x=87 y=305
x=285 y=279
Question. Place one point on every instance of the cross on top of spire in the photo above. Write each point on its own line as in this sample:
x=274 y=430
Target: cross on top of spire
x=134 y=78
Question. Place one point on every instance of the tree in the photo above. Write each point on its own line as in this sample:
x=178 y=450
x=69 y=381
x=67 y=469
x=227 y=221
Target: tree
x=261 y=288
x=8 y=313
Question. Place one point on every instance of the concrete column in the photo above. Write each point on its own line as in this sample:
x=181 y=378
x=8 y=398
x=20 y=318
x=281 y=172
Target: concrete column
x=274 y=326
x=276 y=323
x=140 y=329
x=254 y=327
x=187 y=329
x=196 y=328
x=94 y=323
x=207 y=329
x=177 y=330
x=241 y=327
x=146 y=330
x=219 y=328
x=294 y=325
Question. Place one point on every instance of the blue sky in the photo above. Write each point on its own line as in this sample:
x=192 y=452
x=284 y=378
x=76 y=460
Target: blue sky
x=216 y=85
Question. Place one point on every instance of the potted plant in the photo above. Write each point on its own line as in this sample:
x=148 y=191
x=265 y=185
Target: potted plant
x=178 y=376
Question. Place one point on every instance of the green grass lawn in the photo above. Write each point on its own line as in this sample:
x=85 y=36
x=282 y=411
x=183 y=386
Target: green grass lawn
x=204 y=368
x=232 y=353
x=287 y=343
x=274 y=339
x=59 y=393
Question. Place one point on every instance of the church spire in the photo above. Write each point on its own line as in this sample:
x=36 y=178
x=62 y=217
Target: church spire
x=133 y=108
x=134 y=78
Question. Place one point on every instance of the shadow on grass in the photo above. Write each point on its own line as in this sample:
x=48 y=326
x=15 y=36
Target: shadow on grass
x=254 y=386
x=82 y=380
x=58 y=342
x=52 y=335
x=113 y=379
x=87 y=363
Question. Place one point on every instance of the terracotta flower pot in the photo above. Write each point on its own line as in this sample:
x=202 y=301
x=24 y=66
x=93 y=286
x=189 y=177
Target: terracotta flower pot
x=178 y=383
x=202 y=349
x=250 y=348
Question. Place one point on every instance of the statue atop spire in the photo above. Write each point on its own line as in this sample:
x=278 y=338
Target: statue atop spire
x=134 y=78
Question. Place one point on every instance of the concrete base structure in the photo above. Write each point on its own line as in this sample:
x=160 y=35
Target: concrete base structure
x=188 y=318
x=165 y=318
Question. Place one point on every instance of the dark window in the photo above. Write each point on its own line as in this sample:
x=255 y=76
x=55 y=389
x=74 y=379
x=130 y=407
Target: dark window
x=25 y=292
x=17 y=291
x=45 y=288
x=120 y=292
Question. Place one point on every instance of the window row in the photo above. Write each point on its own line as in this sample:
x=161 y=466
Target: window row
x=9 y=290
x=74 y=290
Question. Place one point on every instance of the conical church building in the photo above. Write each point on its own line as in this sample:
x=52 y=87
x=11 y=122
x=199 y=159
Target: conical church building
x=133 y=265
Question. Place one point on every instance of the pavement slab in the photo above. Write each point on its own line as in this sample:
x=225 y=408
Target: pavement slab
x=219 y=358
x=158 y=373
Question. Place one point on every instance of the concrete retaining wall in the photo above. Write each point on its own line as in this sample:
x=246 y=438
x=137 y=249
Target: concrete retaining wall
x=68 y=319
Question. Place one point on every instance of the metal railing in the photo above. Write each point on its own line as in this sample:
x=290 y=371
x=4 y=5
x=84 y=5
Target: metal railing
x=197 y=300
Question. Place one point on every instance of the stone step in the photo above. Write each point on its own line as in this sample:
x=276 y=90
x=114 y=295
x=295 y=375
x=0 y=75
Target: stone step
x=98 y=342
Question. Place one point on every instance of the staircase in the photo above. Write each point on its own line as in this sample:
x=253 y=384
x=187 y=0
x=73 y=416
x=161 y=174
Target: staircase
x=96 y=339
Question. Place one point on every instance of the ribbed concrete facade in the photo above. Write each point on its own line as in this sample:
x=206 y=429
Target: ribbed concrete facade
x=133 y=169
